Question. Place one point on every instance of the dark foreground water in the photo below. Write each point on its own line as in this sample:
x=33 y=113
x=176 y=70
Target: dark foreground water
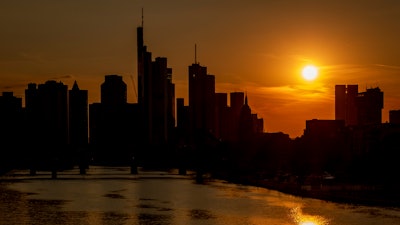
x=113 y=196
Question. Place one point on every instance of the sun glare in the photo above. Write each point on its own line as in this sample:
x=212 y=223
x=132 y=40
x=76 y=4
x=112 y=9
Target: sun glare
x=309 y=72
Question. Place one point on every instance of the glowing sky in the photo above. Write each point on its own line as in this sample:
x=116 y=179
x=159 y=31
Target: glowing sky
x=254 y=46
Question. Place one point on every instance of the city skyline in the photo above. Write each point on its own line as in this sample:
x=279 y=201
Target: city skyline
x=257 y=47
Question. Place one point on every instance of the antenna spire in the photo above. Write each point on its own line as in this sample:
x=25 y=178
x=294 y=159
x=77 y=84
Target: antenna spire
x=142 y=17
x=195 y=54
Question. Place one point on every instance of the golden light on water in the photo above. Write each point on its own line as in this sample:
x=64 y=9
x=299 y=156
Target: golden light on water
x=302 y=219
x=307 y=223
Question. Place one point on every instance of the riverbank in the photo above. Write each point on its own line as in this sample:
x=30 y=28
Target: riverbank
x=355 y=194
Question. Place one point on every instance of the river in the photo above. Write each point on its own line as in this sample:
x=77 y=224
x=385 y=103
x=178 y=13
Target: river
x=111 y=195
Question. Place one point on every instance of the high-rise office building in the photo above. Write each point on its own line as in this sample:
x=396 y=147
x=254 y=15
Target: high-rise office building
x=78 y=117
x=47 y=114
x=258 y=124
x=156 y=95
x=394 y=116
x=236 y=103
x=345 y=106
x=183 y=122
x=245 y=126
x=114 y=131
x=201 y=99
x=222 y=120
x=364 y=108
x=113 y=90
x=162 y=102
x=369 y=107
x=11 y=130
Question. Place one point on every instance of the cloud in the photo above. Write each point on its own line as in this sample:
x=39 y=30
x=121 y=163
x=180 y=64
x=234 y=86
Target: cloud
x=7 y=57
x=364 y=71
x=12 y=86
x=286 y=108
x=60 y=77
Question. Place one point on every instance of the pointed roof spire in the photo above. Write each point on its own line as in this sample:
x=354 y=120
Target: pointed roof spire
x=75 y=86
x=245 y=99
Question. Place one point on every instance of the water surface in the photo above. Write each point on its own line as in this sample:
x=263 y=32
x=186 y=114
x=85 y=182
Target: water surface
x=111 y=195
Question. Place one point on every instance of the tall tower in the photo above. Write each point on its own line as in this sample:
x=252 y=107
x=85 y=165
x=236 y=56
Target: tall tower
x=47 y=114
x=145 y=89
x=113 y=90
x=345 y=105
x=201 y=99
x=156 y=95
x=369 y=106
x=236 y=103
x=245 y=131
x=78 y=117
x=162 y=102
x=12 y=130
x=141 y=51
x=54 y=112
x=113 y=124
x=221 y=116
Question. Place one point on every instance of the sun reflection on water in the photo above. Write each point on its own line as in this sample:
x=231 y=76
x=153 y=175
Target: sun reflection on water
x=303 y=219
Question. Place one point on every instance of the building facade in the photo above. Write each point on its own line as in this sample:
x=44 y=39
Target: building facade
x=201 y=100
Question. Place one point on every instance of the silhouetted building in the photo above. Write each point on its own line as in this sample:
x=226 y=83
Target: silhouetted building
x=114 y=131
x=48 y=107
x=162 y=103
x=32 y=117
x=369 y=107
x=201 y=100
x=345 y=106
x=245 y=131
x=323 y=128
x=78 y=117
x=183 y=122
x=325 y=146
x=156 y=96
x=236 y=103
x=113 y=90
x=394 y=116
x=258 y=124
x=356 y=108
x=11 y=130
x=144 y=86
x=222 y=120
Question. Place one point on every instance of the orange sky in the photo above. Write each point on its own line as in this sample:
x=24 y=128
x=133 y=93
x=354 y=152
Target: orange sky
x=255 y=46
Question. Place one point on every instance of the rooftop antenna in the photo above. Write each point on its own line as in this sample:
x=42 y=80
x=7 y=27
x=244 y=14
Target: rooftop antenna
x=195 y=54
x=142 y=17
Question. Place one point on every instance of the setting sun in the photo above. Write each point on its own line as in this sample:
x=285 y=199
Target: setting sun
x=309 y=72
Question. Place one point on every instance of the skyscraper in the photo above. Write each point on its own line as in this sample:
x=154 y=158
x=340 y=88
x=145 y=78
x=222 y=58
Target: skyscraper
x=369 y=106
x=113 y=90
x=114 y=131
x=201 y=99
x=222 y=120
x=47 y=114
x=156 y=95
x=11 y=130
x=162 y=102
x=356 y=108
x=236 y=103
x=345 y=106
x=245 y=131
x=78 y=117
